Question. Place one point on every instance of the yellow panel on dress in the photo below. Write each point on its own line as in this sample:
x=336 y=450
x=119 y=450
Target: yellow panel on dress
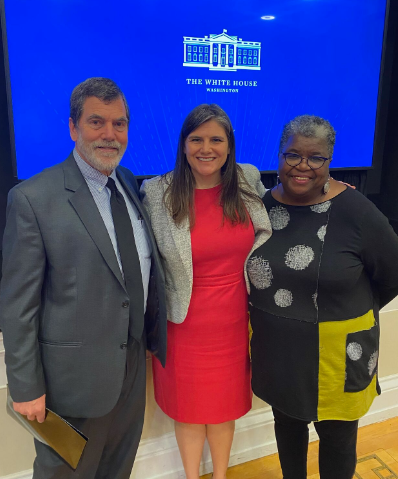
x=250 y=337
x=333 y=402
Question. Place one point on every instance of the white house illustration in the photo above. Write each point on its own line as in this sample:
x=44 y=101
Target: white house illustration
x=221 y=52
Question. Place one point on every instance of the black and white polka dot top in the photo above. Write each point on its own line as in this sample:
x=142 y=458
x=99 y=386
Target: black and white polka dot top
x=326 y=262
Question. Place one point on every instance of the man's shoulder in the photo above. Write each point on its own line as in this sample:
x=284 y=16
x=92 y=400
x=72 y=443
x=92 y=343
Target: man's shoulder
x=42 y=182
x=128 y=176
x=126 y=172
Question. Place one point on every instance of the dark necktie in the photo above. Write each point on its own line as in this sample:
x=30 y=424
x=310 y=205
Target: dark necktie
x=129 y=259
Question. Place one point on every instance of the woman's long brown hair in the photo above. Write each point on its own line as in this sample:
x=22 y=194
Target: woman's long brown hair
x=179 y=194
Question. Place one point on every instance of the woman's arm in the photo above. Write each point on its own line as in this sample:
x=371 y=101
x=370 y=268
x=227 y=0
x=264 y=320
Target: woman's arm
x=380 y=254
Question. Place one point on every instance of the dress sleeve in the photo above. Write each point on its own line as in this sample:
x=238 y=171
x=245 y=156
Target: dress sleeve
x=260 y=188
x=253 y=177
x=380 y=254
x=151 y=195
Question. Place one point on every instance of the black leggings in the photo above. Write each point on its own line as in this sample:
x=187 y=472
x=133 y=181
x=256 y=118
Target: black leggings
x=337 y=447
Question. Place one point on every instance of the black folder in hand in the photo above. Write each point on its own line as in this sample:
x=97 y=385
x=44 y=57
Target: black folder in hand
x=67 y=441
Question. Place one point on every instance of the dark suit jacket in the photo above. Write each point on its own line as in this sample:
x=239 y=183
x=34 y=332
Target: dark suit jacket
x=62 y=294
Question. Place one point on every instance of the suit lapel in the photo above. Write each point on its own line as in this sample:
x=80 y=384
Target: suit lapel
x=86 y=208
x=129 y=189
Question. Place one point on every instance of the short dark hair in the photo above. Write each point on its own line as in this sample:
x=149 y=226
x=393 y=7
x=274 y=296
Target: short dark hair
x=104 y=89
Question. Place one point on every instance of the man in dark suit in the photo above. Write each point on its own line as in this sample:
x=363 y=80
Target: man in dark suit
x=80 y=270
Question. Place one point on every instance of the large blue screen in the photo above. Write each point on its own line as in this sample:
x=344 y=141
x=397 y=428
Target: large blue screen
x=318 y=57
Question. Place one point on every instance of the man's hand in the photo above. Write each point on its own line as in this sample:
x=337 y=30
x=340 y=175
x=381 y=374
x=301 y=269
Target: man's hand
x=35 y=409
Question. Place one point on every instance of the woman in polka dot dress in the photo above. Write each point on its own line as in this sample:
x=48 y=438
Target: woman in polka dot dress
x=316 y=289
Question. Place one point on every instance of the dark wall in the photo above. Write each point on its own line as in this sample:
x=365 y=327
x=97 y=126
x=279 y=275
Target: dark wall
x=387 y=93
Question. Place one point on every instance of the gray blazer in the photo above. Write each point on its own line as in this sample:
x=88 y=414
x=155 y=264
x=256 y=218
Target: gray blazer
x=62 y=297
x=174 y=242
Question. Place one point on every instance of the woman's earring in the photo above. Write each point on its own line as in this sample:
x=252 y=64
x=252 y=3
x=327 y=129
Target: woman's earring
x=278 y=180
x=326 y=186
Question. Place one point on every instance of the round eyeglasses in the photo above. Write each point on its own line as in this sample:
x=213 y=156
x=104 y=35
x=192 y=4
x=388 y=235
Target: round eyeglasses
x=314 y=162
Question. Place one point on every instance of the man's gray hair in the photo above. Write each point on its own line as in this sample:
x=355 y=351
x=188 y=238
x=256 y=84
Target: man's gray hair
x=311 y=127
x=104 y=89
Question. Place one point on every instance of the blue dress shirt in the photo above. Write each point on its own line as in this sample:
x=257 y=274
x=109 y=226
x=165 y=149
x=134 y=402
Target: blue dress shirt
x=96 y=182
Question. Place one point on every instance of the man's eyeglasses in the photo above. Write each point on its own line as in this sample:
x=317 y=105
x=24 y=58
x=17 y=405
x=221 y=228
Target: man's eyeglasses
x=314 y=162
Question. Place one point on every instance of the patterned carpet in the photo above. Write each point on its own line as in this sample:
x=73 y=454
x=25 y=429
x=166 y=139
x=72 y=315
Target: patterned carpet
x=373 y=464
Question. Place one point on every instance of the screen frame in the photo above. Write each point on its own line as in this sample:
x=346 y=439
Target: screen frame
x=8 y=89
x=387 y=54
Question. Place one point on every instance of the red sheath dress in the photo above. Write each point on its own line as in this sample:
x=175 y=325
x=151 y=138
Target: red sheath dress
x=207 y=375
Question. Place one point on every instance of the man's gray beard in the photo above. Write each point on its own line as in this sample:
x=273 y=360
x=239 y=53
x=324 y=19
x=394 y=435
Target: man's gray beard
x=88 y=152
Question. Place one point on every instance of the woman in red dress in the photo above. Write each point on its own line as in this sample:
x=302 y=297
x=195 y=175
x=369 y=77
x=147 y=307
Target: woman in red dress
x=206 y=216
